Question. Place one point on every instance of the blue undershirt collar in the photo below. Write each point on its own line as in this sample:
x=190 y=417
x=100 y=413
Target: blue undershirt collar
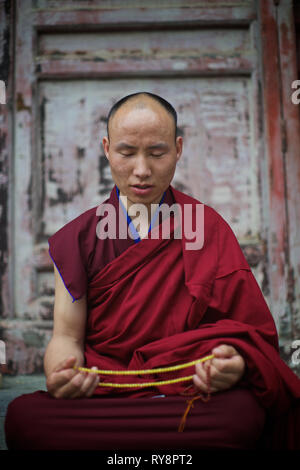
x=132 y=228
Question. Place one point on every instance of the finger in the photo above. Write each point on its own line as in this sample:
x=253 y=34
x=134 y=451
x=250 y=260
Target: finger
x=202 y=386
x=94 y=384
x=57 y=380
x=199 y=383
x=66 y=364
x=224 y=350
x=224 y=381
x=89 y=384
x=201 y=371
x=205 y=376
x=72 y=388
x=78 y=384
x=218 y=380
x=217 y=367
x=235 y=364
x=221 y=377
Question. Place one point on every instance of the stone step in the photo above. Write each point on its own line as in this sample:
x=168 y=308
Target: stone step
x=12 y=387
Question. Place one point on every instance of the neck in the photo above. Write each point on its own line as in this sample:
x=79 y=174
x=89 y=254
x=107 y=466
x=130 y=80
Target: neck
x=141 y=220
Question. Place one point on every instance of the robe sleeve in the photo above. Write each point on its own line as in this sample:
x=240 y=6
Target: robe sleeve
x=70 y=249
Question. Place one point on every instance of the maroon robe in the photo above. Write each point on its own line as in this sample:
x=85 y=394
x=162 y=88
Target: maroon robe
x=155 y=303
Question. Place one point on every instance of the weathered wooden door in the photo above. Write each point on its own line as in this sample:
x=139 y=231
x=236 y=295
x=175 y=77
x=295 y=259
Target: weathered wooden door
x=73 y=60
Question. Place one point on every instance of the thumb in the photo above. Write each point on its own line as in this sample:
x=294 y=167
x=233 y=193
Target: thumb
x=224 y=350
x=66 y=364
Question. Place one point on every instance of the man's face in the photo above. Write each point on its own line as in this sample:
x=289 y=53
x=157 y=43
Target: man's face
x=142 y=151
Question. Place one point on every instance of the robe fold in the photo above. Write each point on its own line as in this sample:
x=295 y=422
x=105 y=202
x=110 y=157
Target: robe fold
x=157 y=303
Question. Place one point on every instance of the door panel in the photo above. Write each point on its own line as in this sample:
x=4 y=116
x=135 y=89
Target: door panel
x=216 y=165
x=73 y=61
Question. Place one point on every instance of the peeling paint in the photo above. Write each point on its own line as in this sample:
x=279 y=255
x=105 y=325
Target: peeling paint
x=105 y=182
x=20 y=104
x=80 y=152
x=253 y=254
x=5 y=68
x=51 y=176
x=41 y=199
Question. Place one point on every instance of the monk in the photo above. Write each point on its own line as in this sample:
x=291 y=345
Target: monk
x=148 y=301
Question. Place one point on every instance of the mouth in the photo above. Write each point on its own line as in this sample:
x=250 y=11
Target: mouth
x=142 y=189
x=142 y=186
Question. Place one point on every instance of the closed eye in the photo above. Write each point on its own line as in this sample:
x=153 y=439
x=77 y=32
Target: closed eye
x=151 y=154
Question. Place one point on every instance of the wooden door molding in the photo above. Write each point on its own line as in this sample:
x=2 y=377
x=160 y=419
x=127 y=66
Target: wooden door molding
x=48 y=36
x=282 y=165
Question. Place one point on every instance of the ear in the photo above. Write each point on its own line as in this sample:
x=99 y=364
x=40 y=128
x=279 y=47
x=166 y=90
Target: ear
x=179 y=145
x=105 y=144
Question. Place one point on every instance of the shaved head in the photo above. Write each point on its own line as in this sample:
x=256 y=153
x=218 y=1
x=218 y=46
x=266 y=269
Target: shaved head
x=142 y=147
x=142 y=100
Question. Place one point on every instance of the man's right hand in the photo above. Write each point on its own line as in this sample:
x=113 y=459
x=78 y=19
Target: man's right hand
x=66 y=382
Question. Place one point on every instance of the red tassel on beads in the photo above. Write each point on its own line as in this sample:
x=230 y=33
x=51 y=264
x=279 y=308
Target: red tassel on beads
x=196 y=396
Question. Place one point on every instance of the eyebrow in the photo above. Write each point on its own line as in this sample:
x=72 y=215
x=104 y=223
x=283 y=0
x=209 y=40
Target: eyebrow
x=124 y=145
x=159 y=145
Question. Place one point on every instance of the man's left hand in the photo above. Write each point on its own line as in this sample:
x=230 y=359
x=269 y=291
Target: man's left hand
x=226 y=369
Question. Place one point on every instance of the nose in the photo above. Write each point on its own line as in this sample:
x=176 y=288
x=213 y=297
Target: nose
x=141 y=167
